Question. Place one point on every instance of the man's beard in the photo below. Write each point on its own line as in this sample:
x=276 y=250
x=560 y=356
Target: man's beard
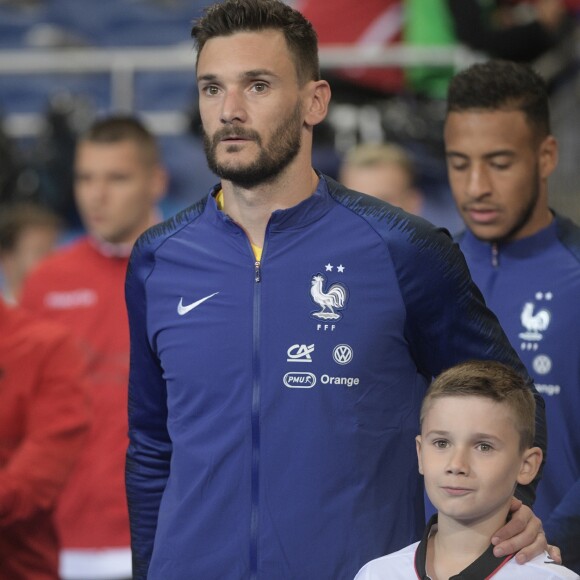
x=284 y=145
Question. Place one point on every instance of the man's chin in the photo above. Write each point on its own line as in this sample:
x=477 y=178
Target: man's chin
x=240 y=174
x=107 y=237
x=490 y=237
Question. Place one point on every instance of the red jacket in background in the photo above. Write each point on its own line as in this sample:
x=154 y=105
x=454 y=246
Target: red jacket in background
x=83 y=288
x=44 y=418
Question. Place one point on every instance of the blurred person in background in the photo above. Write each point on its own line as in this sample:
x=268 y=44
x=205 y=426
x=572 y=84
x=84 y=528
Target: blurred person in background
x=44 y=420
x=28 y=233
x=524 y=257
x=386 y=171
x=119 y=181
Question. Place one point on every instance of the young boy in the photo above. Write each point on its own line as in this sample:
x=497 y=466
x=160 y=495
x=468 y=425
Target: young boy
x=477 y=432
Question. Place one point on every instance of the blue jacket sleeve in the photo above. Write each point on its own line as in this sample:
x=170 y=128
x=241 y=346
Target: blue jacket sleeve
x=149 y=452
x=447 y=319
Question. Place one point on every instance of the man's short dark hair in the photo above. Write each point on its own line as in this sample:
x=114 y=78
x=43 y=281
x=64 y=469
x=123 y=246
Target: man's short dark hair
x=502 y=85
x=119 y=128
x=232 y=16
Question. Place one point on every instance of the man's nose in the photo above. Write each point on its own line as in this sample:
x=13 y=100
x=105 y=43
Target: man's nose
x=478 y=183
x=233 y=108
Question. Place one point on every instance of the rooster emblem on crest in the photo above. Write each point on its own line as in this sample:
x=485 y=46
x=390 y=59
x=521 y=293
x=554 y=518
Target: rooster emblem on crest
x=330 y=300
x=534 y=322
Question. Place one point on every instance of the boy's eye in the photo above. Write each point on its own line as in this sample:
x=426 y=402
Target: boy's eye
x=485 y=447
x=441 y=443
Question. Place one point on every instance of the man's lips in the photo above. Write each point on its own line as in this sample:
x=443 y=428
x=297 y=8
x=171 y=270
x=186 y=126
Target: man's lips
x=481 y=215
x=243 y=136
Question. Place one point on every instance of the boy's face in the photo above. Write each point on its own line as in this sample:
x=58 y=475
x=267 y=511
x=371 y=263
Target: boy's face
x=469 y=453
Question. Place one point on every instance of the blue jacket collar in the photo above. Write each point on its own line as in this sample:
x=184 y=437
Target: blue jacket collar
x=301 y=215
x=532 y=245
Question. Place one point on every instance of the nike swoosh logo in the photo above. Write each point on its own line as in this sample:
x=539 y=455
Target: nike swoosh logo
x=181 y=309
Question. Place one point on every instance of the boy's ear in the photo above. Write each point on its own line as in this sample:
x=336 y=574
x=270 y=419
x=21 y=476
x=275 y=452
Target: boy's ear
x=418 y=443
x=531 y=461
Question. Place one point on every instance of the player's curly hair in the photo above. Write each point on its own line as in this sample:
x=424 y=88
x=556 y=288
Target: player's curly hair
x=502 y=85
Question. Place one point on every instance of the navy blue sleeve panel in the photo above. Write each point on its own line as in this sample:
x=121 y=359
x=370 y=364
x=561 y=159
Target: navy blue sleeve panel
x=149 y=452
x=447 y=319
x=569 y=234
x=563 y=527
x=150 y=447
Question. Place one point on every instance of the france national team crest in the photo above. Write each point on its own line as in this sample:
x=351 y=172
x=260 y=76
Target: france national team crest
x=330 y=299
x=535 y=319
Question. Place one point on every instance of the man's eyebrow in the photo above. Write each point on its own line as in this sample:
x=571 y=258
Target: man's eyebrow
x=490 y=155
x=246 y=75
x=259 y=72
x=207 y=77
x=500 y=153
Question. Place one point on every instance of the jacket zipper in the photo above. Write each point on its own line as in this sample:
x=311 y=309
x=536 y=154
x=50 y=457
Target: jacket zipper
x=494 y=255
x=256 y=395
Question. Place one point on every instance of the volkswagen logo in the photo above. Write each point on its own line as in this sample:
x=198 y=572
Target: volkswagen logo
x=342 y=354
x=542 y=364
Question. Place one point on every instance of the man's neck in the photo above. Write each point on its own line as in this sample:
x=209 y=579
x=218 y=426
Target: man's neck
x=454 y=546
x=252 y=208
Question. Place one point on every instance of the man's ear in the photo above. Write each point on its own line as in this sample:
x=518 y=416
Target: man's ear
x=531 y=461
x=418 y=443
x=317 y=100
x=548 y=156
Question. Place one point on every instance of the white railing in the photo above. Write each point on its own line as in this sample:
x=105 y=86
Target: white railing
x=122 y=65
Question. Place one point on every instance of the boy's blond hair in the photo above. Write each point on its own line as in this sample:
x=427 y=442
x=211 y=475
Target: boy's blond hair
x=379 y=154
x=490 y=380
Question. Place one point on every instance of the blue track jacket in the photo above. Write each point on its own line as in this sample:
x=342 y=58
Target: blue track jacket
x=273 y=406
x=533 y=285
